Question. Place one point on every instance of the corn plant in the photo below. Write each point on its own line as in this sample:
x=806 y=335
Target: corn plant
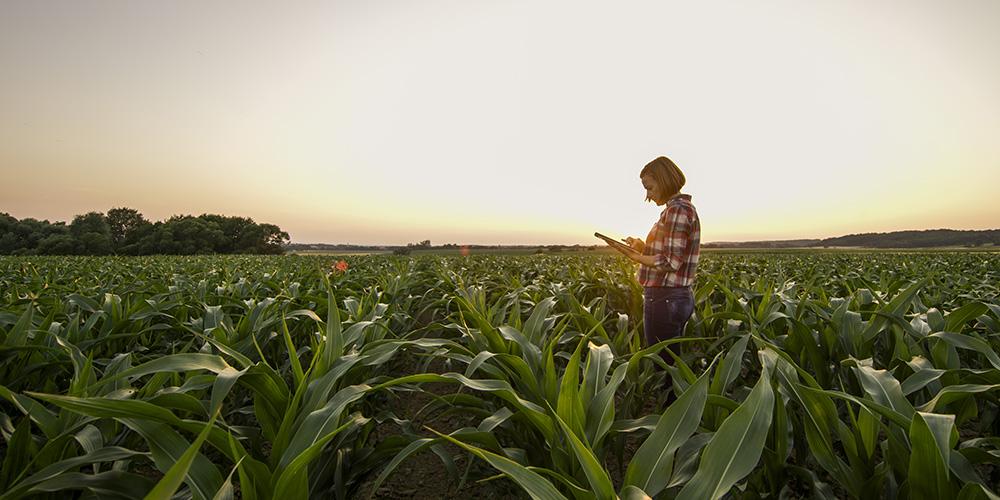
x=820 y=374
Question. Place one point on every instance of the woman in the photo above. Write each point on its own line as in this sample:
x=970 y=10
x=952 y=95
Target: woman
x=669 y=256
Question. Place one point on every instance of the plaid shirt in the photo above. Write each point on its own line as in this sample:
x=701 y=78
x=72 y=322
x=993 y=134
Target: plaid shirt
x=675 y=240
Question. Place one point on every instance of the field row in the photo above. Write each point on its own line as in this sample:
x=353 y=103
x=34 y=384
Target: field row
x=824 y=375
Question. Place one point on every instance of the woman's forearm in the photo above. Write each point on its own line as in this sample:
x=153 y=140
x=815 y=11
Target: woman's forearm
x=646 y=260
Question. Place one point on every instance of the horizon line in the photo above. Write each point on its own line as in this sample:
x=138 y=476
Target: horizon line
x=716 y=242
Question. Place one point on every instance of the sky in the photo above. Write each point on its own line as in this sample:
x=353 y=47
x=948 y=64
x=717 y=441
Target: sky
x=504 y=122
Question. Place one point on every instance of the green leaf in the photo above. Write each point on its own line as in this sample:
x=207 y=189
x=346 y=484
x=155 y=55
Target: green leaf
x=170 y=363
x=929 y=475
x=534 y=413
x=226 y=491
x=954 y=393
x=922 y=376
x=47 y=421
x=894 y=309
x=108 y=454
x=955 y=320
x=819 y=417
x=18 y=453
x=974 y=491
x=730 y=366
x=224 y=383
x=255 y=476
x=569 y=407
x=291 y=479
x=634 y=493
x=884 y=389
x=320 y=423
x=110 y=484
x=293 y=355
x=531 y=482
x=334 y=340
x=599 y=361
x=111 y=408
x=736 y=447
x=650 y=467
x=969 y=342
x=534 y=327
x=601 y=410
x=173 y=478
x=18 y=335
x=600 y=482
x=168 y=447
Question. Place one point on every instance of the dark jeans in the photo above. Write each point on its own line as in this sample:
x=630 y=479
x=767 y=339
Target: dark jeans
x=665 y=311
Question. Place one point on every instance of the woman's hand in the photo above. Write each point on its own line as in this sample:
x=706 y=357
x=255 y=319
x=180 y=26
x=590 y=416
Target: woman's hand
x=637 y=244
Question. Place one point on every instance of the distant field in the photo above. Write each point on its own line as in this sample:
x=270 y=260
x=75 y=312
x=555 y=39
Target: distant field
x=822 y=250
x=346 y=253
x=609 y=251
x=802 y=374
x=459 y=252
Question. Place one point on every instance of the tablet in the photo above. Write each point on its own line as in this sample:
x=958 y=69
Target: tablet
x=615 y=243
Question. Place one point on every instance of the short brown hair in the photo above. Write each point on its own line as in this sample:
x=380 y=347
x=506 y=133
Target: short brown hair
x=666 y=173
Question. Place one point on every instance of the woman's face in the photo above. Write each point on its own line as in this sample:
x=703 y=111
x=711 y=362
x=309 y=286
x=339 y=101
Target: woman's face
x=653 y=190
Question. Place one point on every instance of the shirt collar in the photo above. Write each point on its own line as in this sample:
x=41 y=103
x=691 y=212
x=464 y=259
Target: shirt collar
x=679 y=197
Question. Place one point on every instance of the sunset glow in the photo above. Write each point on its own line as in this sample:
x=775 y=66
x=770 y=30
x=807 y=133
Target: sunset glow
x=504 y=122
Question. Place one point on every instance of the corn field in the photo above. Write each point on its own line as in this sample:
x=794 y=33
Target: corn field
x=801 y=375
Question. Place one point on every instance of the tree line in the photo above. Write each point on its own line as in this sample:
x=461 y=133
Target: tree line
x=124 y=231
x=929 y=238
x=917 y=239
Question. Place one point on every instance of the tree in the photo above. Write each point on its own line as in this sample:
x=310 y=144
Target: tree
x=57 y=244
x=274 y=238
x=92 y=234
x=194 y=235
x=163 y=241
x=24 y=237
x=124 y=223
x=9 y=240
x=125 y=231
x=263 y=238
x=139 y=240
x=148 y=241
x=239 y=233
